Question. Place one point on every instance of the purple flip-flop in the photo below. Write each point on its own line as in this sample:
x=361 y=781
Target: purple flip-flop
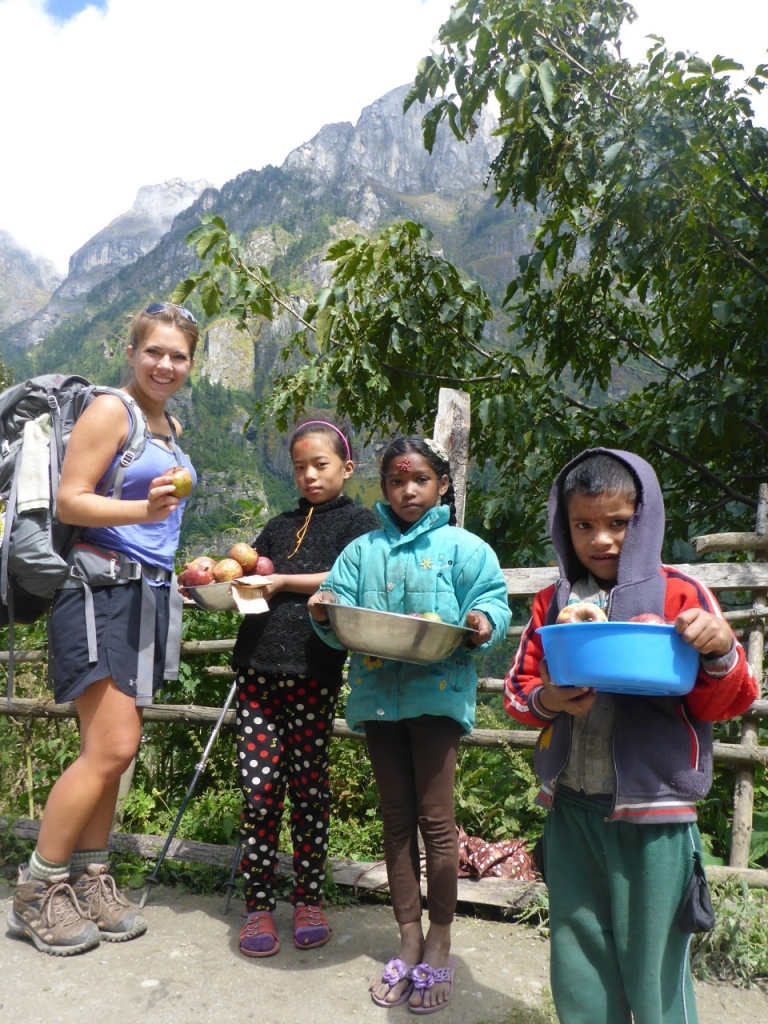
x=424 y=977
x=394 y=972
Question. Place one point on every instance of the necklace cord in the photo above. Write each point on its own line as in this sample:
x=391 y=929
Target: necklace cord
x=302 y=531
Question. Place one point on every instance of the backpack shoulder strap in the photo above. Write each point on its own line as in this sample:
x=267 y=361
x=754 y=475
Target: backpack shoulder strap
x=172 y=427
x=138 y=434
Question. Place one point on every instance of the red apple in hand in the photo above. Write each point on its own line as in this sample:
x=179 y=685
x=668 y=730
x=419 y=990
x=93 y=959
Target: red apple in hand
x=583 y=611
x=245 y=555
x=227 y=569
x=181 y=479
x=264 y=566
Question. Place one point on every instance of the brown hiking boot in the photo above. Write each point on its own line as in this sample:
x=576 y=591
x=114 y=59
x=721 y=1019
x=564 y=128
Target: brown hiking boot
x=102 y=902
x=47 y=912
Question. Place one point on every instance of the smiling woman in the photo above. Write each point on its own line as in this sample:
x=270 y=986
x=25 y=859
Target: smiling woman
x=63 y=10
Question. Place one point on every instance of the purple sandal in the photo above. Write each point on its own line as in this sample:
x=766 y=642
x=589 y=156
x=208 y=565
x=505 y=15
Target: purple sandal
x=258 y=936
x=394 y=972
x=310 y=927
x=425 y=977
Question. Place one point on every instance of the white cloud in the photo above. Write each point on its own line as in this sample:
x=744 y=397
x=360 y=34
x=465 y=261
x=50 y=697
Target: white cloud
x=736 y=28
x=708 y=28
x=154 y=89
x=147 y=90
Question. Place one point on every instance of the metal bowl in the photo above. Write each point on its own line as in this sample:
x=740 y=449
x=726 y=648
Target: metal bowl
x=214 y=597
x=395 y=637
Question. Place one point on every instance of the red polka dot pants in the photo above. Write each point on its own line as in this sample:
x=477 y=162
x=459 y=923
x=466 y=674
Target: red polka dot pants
x=284 y=727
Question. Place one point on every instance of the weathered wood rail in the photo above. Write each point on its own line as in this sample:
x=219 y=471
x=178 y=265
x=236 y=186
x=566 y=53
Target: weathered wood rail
x=743 y=757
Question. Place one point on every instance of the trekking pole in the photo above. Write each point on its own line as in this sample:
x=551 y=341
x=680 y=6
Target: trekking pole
x=151 y=879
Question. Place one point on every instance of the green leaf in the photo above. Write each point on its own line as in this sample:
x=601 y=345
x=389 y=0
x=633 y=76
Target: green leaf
x=720 y=64
x=210 y=297
x=611 y=152
x=546 y=73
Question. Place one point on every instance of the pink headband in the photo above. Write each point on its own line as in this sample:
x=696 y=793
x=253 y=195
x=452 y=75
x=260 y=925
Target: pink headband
x=323 y=423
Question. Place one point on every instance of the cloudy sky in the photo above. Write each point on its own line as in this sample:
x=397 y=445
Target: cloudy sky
x=104 y=96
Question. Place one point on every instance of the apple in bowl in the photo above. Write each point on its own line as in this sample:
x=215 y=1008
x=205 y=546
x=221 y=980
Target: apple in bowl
x=264 y=566
x=198 y=572
x=581 y=611
x=199 y=577
x=247 y=556
x=227 y=569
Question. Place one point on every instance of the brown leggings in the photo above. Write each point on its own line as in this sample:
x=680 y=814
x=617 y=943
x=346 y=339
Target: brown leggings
x=414 y=762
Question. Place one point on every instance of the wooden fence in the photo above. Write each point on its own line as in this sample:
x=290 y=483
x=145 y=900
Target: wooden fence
x=743 y=757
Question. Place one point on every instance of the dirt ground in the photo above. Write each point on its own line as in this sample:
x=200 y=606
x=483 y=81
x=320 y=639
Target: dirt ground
x=187 y=968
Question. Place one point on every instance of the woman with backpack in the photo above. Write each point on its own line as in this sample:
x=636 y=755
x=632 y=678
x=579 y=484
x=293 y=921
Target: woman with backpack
x=108 y=635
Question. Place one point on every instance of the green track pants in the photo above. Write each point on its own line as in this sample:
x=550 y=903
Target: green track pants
x=617 y=954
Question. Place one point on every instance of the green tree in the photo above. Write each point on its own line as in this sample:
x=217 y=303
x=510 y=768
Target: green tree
x=643 y=301
x=636 y=319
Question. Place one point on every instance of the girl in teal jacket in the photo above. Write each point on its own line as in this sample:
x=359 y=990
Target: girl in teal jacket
x=414 y=715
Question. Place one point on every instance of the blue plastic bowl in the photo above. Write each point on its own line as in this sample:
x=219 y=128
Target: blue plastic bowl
x=620 y=657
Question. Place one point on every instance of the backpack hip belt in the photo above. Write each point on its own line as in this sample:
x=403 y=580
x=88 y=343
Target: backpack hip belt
x=93 y=566
x=102 y=567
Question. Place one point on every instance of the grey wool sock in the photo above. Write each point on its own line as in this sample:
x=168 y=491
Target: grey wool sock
x=45 y=870
x=83 y=859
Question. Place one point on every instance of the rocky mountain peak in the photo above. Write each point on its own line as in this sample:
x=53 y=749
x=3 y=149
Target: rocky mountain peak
x=130 y=235
x=37 y=309
x=386 y=146
x=26 y=281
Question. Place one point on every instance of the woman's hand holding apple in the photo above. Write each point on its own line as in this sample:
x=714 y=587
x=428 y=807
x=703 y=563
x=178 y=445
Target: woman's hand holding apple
x=161 y=499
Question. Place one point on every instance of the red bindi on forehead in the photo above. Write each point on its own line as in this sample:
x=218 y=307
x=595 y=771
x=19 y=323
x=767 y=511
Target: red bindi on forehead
x=404 y=465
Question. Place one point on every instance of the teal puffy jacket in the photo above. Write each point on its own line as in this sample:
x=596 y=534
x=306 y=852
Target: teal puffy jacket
x=433 y=567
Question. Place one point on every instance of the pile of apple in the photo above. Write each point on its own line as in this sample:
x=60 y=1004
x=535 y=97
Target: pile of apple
x=241 y=560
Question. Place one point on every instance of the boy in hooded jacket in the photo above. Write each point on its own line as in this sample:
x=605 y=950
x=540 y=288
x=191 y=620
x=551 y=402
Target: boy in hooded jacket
x=621 y=774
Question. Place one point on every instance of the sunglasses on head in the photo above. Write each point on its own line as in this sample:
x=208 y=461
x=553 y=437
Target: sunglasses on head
x=160 y=307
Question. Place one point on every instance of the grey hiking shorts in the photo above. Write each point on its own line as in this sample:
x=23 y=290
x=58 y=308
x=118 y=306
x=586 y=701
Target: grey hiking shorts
x=118 y=612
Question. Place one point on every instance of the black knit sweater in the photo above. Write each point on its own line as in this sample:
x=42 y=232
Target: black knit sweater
x=282 y=640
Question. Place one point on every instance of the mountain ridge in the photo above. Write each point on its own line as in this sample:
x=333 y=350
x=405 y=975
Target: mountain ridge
x=348 y=179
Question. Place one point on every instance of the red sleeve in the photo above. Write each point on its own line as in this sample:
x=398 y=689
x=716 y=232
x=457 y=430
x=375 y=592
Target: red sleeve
x=523 y=679
x=714 y=697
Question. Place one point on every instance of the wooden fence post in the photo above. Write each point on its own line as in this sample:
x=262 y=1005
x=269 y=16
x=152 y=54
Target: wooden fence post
x=452 y=432
x=744 y=785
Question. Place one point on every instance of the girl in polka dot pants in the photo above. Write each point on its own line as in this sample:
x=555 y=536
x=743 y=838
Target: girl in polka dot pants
x=283 y=728
x=289 y=683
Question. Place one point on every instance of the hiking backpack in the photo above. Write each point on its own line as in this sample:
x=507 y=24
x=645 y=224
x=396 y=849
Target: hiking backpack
x=36 y=420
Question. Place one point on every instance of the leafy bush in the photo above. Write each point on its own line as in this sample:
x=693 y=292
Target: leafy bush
x=736 y=950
